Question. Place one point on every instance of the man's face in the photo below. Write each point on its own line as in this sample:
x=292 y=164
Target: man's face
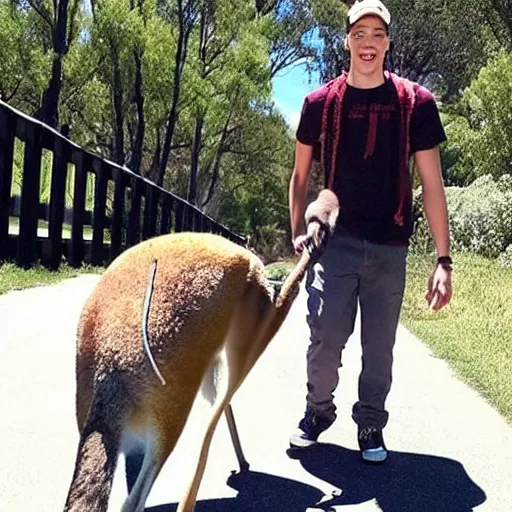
x=368 y=43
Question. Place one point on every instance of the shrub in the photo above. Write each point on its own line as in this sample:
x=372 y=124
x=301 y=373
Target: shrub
x=480 y=217
x=505 y=258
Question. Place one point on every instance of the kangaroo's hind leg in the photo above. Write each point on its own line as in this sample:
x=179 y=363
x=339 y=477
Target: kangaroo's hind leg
x=246 y=340
x=151 y=460
x=160 y=434
x=209 y=391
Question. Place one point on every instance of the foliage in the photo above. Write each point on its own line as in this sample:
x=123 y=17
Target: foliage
x=479 y=126
x=480 y=217
x=279 y=270
x=130 y=77
x=24 y=64
x=489 y=110
x=180 y=90
x=505 y=258
x=263 y=207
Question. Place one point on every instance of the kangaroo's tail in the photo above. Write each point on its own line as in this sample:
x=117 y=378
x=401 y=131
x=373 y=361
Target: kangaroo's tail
x=321 y=216
x=98 y=449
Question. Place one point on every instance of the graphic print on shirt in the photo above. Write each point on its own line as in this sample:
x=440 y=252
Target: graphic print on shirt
x=374 y=113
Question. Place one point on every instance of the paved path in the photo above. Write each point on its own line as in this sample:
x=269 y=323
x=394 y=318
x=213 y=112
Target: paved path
x=451 y=451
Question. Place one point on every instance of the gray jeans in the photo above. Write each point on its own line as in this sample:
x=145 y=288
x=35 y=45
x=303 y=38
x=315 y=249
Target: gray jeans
x=353 y=269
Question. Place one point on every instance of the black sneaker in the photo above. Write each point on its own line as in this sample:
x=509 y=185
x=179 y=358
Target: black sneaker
x=310 y=427
x=371 y=444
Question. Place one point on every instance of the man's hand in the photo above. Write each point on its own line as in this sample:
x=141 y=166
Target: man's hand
x=439 y=291
x=299 y=243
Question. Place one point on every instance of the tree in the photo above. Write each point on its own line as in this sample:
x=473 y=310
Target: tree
x=185 y=13
x=59 y=22
x=24 y=67
x=479 y=128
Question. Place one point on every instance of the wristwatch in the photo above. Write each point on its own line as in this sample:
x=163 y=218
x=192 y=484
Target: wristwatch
x=445 y=261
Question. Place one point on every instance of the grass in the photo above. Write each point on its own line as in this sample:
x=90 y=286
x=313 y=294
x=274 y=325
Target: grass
x=278 y=270
x=42 y=229
x=15 y=278
x=474 y=333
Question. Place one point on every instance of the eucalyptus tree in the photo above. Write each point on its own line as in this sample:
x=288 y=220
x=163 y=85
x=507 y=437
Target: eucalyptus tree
x=479 y=128
x=59 y=22
x=24 y=66
x=182 y=15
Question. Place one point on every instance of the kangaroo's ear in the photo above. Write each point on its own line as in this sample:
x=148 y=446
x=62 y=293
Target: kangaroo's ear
x=324 y=210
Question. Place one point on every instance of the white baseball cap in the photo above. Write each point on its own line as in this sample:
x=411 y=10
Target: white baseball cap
x=366 y=7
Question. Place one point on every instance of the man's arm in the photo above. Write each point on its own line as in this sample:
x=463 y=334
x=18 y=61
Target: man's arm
x=298 y=192
x=428 y=163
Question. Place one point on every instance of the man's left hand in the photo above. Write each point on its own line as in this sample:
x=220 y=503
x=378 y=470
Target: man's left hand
x=439 y=291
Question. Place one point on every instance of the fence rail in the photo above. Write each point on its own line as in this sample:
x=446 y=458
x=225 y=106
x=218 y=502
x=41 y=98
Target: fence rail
x=127 y=208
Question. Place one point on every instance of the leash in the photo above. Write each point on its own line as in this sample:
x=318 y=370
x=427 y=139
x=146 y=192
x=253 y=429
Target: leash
x=145 y=315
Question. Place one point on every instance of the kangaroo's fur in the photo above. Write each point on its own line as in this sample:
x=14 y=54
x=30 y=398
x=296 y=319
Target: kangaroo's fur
x=211 y=309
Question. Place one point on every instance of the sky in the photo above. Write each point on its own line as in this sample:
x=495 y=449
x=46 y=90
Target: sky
x=289 y=89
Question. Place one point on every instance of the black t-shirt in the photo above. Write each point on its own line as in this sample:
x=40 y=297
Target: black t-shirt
x=368 y=162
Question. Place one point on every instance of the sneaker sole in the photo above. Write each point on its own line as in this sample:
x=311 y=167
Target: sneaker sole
x=297 y=442
x=375 y=456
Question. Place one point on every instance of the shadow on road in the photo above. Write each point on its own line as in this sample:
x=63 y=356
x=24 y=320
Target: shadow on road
x=408 y=482
x=258 y=492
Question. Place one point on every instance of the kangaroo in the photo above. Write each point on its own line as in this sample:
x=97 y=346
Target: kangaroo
x=166 y=317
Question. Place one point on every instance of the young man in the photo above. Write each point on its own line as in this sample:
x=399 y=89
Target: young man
x=364 y=127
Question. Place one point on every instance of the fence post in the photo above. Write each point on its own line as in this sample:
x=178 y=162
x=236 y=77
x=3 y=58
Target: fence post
x=188 y=217
x=27 y=238
x=180 y=210
x=150 y=211
x=7 y=131
x=116 y=233
x=61 y=154
x=76 y=246
x=133 y=232
x=98 y=211
x=166 y=224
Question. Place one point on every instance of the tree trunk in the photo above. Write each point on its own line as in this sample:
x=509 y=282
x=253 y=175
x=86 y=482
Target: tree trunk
x=215 y=164
x=117 y=99
x=185 y=26
x=138 y=98
x=48 y=112
x=155 y=163
x=196 y=151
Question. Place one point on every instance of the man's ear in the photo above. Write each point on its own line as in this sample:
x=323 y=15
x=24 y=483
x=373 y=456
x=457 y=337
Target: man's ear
x=345 y=43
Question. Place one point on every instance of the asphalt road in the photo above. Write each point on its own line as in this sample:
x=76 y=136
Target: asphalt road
x=451 y=451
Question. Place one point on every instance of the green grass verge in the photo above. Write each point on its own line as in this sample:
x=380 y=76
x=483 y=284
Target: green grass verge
x=15 y=278
x=474 y=333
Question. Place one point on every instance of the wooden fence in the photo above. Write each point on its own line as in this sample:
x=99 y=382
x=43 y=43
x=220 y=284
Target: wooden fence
x=127 y=208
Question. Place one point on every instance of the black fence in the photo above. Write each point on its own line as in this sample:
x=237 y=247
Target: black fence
x=126 y=209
